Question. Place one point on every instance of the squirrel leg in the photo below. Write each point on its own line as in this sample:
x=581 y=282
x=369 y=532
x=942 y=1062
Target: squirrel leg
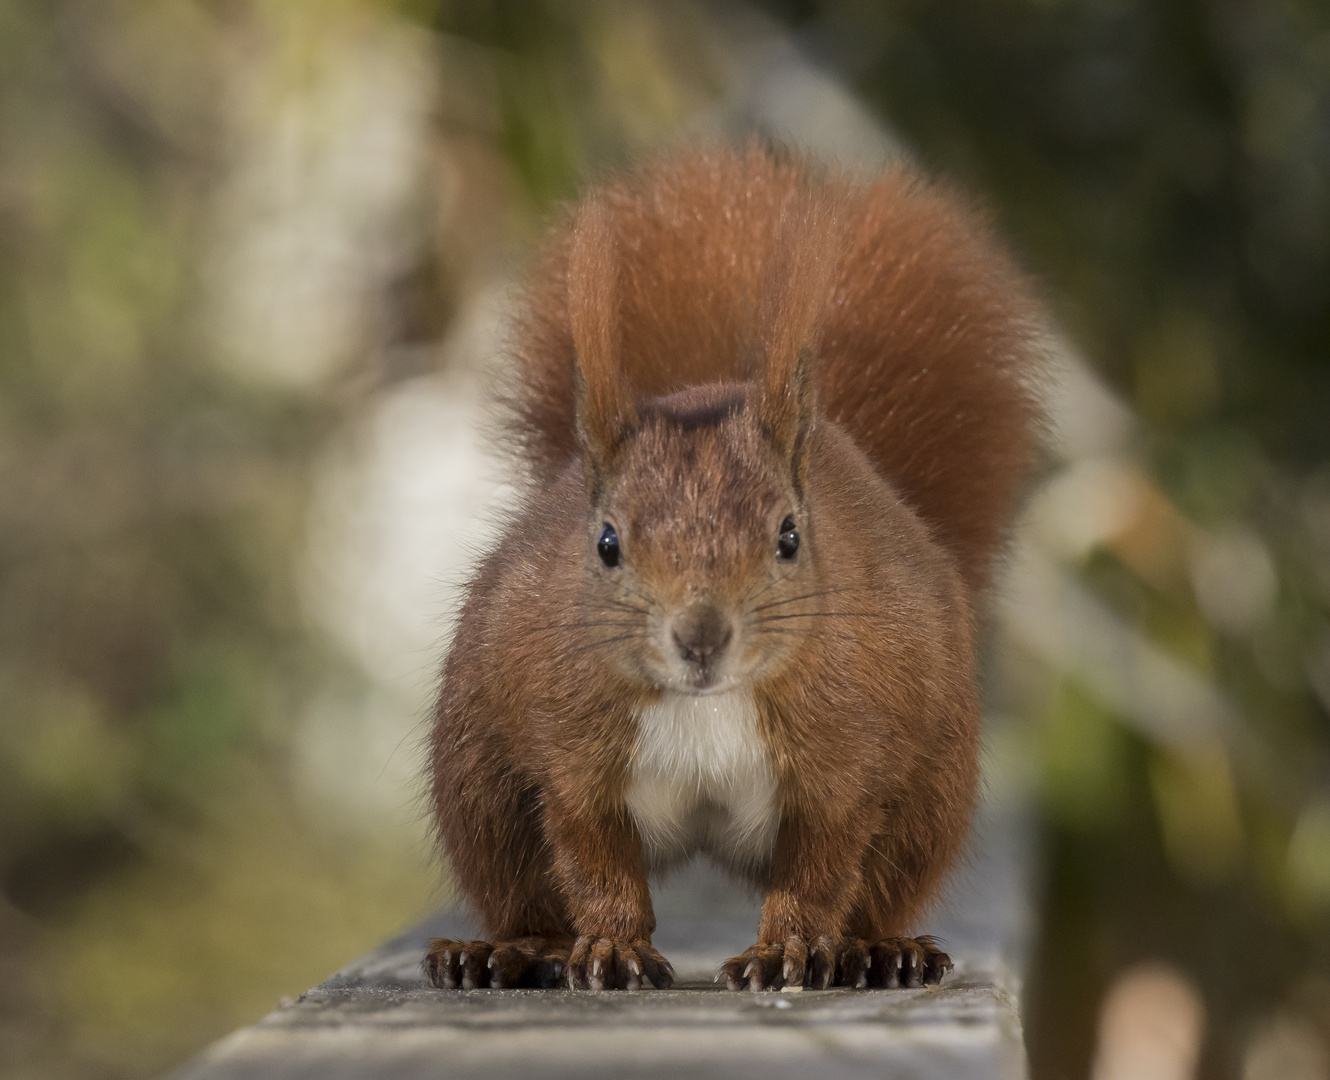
x=900 y=873
x=598 y=866
x=815 y=879
x=492 y=831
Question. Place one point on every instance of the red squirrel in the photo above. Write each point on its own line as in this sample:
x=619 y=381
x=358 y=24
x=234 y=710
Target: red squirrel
x=775 y=419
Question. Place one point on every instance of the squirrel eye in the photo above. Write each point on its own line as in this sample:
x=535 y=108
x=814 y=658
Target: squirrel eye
x=788 y=544
x=607 y=547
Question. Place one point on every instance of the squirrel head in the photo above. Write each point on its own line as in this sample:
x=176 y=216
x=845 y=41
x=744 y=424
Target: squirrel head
x=701 y=556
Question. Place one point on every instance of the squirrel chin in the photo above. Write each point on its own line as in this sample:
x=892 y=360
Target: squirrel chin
x=720 y=686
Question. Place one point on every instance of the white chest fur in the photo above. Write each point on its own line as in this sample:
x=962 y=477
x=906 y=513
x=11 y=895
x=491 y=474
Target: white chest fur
x=702 y=783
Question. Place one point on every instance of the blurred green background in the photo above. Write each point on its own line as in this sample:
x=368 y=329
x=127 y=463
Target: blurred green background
x=252 y=261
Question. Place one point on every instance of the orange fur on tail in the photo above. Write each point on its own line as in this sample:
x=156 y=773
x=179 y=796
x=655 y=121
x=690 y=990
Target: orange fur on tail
x=927 y=336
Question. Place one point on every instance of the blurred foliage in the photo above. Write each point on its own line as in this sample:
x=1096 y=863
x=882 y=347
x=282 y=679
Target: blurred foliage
x=1163 y=166
x=157 y=882
x=145 y=491
x=585 y=87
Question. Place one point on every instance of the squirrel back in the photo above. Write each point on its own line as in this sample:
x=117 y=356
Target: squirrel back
x=929 y=336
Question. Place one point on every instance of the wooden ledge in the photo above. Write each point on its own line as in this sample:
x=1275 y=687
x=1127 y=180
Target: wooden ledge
x=378 y=1017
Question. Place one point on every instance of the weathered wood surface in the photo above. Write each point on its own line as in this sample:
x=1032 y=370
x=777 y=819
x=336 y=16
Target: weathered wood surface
x=378 y=1017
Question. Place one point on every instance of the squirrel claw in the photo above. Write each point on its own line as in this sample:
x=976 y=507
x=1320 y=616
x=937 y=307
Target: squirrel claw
x=457 y=965
x=475 y=965
x=608 y=964
x=794 y=962
x=820 y=963
x=907 y=962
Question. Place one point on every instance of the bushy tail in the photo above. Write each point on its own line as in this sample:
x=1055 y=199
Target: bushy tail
x=930 y=340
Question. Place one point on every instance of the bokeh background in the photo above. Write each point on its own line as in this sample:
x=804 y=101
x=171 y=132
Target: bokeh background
x=253 y=260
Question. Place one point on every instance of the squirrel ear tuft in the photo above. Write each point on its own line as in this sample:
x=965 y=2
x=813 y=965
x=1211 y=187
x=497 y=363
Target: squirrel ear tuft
x=605 y=408
x=800 y=276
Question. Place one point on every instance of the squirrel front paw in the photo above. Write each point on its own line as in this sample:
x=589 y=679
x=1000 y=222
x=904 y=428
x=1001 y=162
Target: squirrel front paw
x=607 y=964
x=820 y=963
x=474 y=965
x=906 y=962
x=795 y=963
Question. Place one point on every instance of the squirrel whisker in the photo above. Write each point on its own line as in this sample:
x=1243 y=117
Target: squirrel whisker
x=819 y=614
x=633 y=592
x=583 y=625
x=751 y=595
x=794 y=599
x=606 y=641
x=628 y=607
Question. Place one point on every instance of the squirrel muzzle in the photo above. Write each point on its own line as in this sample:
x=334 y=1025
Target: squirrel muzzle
x=702 y=634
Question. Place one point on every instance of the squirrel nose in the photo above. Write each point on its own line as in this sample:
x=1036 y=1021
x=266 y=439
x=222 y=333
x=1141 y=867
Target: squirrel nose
x=701 y=634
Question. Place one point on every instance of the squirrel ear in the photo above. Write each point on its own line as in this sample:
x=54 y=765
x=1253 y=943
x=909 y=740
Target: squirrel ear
x=799 y=278
x=605 y=409
x=788 y=410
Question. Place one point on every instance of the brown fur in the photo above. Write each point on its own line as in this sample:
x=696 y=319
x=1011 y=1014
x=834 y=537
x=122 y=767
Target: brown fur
x=928 y=341
x=711 y=344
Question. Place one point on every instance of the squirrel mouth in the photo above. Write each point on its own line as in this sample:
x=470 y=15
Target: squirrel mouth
x=703 y=684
